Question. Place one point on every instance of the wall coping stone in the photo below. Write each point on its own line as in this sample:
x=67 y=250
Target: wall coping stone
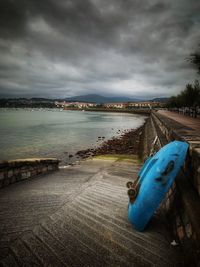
x=12 y=171
x=27 y=161
x=179 y=130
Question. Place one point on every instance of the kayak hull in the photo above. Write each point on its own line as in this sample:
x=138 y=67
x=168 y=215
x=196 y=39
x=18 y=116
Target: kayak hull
x=156 y=177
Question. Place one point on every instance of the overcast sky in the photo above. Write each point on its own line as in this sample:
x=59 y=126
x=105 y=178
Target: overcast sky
x=62 y=48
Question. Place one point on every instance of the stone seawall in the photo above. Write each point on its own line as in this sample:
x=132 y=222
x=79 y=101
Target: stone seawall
x=141 y=111
x=181 y=207
x=16 y=170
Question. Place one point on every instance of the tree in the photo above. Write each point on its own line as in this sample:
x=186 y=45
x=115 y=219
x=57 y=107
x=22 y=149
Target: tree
x=195 y=60
x=189 y=97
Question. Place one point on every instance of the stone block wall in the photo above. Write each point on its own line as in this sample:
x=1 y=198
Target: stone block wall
x=17 y=170
x=195 y=168
x=175 y=131
x=181 y=207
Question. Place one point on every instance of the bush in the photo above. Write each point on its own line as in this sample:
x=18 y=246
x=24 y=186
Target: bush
x=189 y=97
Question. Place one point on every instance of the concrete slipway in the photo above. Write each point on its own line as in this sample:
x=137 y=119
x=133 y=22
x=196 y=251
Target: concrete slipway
x=77 y=216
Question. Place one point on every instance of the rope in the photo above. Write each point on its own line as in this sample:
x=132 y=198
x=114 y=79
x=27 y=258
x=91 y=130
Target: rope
x=135 y=186
x=153 y=145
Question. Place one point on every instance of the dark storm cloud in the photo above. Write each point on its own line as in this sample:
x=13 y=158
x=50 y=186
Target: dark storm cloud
x=60 y=48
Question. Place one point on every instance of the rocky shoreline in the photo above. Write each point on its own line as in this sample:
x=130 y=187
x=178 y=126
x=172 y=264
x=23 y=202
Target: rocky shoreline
x=127 y=143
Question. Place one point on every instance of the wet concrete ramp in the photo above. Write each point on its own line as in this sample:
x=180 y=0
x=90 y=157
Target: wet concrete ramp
x=78 y=217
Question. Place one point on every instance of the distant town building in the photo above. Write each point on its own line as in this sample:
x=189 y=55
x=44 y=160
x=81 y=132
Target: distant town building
x=65 y=104
x=115 y=105
x=120 y=105
x=144 y=104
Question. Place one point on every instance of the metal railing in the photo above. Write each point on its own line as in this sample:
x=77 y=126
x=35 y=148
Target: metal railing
x=188 y=111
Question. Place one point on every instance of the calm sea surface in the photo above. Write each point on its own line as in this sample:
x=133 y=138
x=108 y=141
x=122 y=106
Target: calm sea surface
x=54 y=133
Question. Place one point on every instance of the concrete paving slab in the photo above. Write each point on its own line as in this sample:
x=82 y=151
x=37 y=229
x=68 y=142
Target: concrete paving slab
x=193 y=123
x=77 y=216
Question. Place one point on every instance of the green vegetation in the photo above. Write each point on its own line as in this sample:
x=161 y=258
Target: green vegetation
x=26 y=103
x=190 y=96
x=195 y=60
x=120 y=157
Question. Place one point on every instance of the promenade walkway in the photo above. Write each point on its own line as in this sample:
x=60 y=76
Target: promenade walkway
x=77 y=216
x=193 y=123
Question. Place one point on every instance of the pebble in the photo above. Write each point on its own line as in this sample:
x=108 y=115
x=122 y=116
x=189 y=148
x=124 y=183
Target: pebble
x=127 y=143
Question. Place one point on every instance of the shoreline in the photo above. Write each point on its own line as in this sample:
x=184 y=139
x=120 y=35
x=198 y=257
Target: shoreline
x=141 y=111
x=116 y=141
x=128 y=143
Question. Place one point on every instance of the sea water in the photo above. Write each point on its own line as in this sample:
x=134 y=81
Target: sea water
x=26 y=133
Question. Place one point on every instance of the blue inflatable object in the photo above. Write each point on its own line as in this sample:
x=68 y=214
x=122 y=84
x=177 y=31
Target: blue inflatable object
x=155 y=178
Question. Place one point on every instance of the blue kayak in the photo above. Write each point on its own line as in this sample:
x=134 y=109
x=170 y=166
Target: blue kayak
x=155 y=178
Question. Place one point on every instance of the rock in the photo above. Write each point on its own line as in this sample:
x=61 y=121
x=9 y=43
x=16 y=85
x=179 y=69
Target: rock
x=126 y=143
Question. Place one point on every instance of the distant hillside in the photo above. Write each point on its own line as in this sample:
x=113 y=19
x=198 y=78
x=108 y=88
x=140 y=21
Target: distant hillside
x=92 y=98
x=27 y=102
x=100 y=99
